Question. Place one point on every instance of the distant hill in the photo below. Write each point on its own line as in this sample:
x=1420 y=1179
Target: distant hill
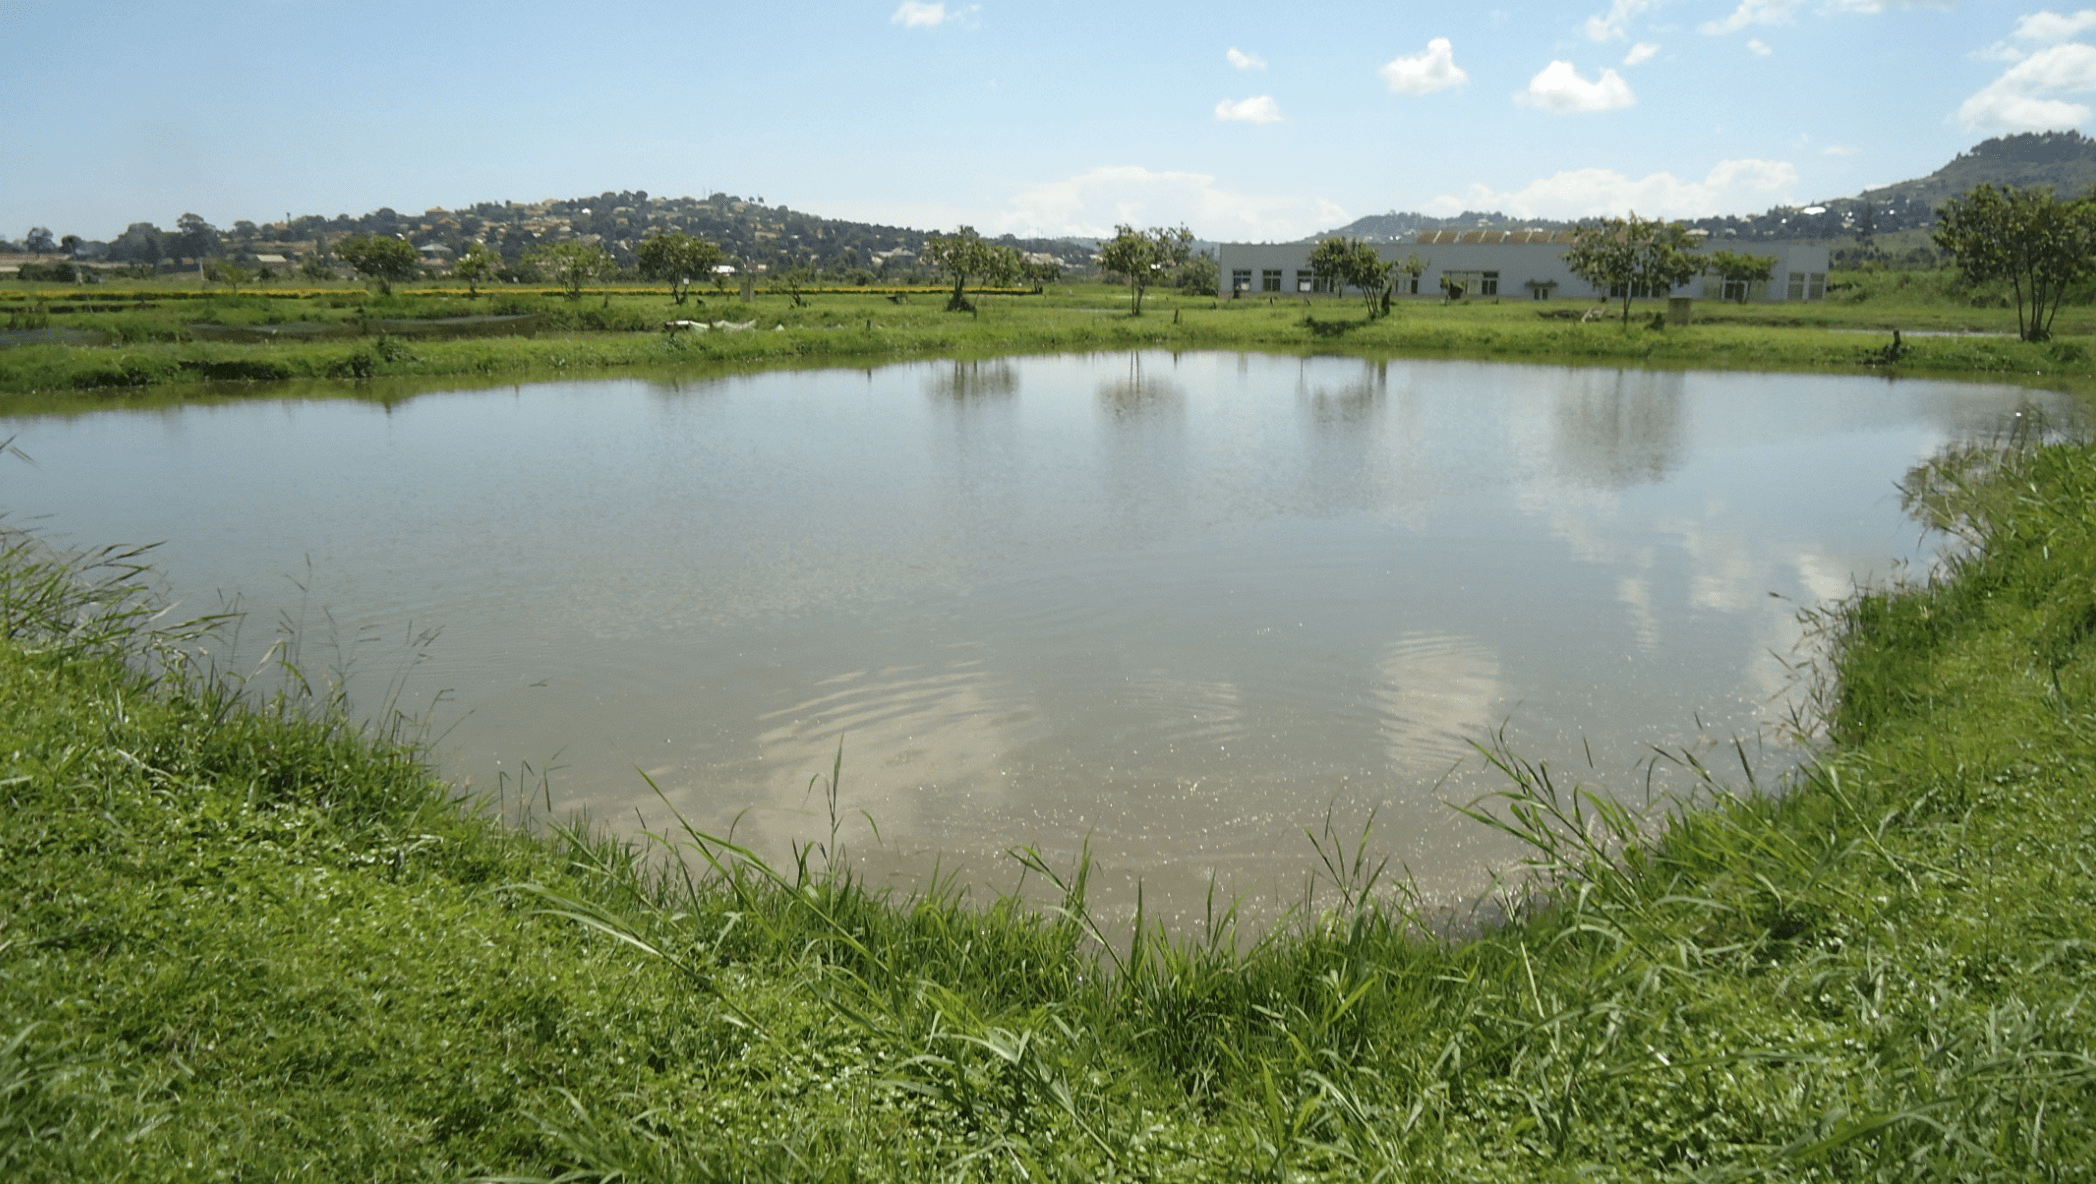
x=773 y=237
x=1397 y=227
x=750 y=233
x=2064 y=160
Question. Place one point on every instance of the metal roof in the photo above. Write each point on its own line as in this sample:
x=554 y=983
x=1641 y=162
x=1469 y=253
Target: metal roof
x=1429 y=238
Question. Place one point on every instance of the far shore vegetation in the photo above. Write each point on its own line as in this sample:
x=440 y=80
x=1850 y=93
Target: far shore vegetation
x=109 y=340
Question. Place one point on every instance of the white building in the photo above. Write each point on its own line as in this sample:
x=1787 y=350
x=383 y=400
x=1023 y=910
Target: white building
x=1509 y=265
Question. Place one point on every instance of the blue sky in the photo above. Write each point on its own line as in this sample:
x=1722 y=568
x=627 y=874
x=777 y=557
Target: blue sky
x=1241 y=120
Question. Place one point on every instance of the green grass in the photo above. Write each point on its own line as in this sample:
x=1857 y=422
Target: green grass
x=618 y=331
x=240 y=938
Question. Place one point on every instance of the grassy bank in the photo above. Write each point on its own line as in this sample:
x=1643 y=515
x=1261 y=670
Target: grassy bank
x=244 y=940
x=160 y=339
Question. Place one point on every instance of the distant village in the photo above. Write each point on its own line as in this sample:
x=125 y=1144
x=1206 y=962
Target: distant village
x=752 y=236
x=1888 y=224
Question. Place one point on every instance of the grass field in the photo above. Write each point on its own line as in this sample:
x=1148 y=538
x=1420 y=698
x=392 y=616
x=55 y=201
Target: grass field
x=241 y=939
x=162 y=337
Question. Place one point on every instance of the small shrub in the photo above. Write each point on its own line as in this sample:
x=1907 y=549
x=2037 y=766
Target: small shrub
x=243 y=370
x=357 y=365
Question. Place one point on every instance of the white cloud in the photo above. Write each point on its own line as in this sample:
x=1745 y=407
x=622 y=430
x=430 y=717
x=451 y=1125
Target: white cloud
x=1425 y=73
x=1257 y=109
x=1611 y=26
x=1782 y=12
x=1758 y=47
x=1243 y=60
x=915 y=14
x=1640 y=53
x=1559 y=89
x=1092 y=202
x=1582 y=193
x=1754 y=12
x=2038 y=28
x=2051 y=28
x=2025 y=98
x=1873 y=7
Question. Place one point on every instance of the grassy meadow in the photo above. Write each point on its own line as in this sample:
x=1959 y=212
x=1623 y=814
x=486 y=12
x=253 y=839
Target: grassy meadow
x=243 y=939
x=174 y=336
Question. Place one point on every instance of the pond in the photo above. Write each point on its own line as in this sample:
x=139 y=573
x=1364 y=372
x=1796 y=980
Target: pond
x=1178 y=607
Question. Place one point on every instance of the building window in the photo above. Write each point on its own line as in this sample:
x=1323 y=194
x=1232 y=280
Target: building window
x=1270 y=280
x=1307 y=281
x=1470 y=284
x=1816 y=286
x=1796 y=286
x=1241 y=280
x=1637 y=291
x=1413 y=288
x=1733 y=290
x=1540 y=289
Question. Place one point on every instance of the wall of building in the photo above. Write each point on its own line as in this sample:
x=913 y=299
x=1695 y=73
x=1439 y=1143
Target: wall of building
x=1517 y=266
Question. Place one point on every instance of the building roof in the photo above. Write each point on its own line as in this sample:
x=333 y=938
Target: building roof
x=1431 y=238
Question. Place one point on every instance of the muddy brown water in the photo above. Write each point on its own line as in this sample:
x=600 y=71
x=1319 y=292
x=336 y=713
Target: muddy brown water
x=1181 y=608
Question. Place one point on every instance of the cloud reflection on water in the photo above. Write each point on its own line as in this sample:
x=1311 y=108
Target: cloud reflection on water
x=1179 y=604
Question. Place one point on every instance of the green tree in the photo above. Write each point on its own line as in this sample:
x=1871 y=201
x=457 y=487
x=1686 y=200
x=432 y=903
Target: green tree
x=678 y=259
x=2036 y=242
x=227 y=272
x=571 y=264
x=1142 y=257
x=1411 y=268
x=1350 y=263
x=195 y=237
x=39 y=241
x=1040 y=273
x=1331 y=261
x=476 y=263
x=791 y=280
x=141 y=242
x=1736 y=268
x=1627 y=257
x=381 y=259
x=1199 y=276
x=965 y=255
x=316 y=267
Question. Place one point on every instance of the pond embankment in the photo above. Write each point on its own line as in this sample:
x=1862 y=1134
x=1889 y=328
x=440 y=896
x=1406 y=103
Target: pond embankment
x=125 y=341
x=246 y=938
